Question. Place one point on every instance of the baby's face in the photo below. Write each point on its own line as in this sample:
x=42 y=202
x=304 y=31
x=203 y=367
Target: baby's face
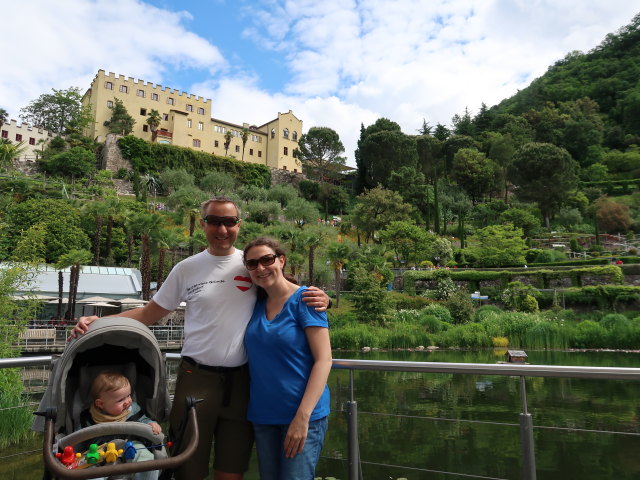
x=116 y=401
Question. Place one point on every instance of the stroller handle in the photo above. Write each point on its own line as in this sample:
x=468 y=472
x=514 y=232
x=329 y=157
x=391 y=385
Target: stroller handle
x=58 y=470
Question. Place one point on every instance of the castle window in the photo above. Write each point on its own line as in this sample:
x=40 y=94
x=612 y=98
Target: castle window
x=259 y=153
x=196 y=143
x=109 y=104
x=140 y=93
x=170 y=101
x=237 y=148
x=284 y=167
x=200 y=111
x=273 y=133
x=286 y=151
x=294 y=136
x=165 y=117
x=154 y=96
x=32 y=141
x=108 y=85
x=188 y=123
x=145 y=128
x=143 y=112
x=18 y=137
x=124 y=89
x=285 y=133
x=215 y=143
x=5 y=134
x=251 y=151
x=200 y=126
x=189 y=108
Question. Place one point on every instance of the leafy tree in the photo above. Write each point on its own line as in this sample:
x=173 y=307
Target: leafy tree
x=4 y=117
x=334 y=198
x=262 y=212
x=153 y=120
x=60 y=220
x=545 y=174
x=60 y=112
x=98 y=211
x=501 y=151
x=497 y=246
x=76 y=162
x=121 y=122
x=475 y=173
x=371 y=301
x=463 y=124
x=218 y=183
x=407 y=241
x=174 y=179
x=382 y=148
x=283 y=194
x=612 y=216
x=301 y=212
x=320 y=151
x=248 y=193
x=377 y=208
x=521 y=218
x=31 y=246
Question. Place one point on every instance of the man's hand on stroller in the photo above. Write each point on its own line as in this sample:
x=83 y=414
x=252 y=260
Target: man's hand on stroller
x=82 y=326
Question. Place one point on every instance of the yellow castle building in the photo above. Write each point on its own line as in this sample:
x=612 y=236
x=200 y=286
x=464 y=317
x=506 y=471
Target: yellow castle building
x=187 y=122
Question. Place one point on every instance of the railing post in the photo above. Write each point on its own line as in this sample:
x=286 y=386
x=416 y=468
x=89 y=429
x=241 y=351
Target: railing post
x=526 y=437
x=352 y=432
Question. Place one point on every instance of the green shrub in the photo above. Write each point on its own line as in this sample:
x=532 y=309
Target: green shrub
x=430 y=322
x=402 y=301
x=470 y=335
x=439 y=311
x=589 y=334
x=529 y=304
x=485 y=310
x=461 y=307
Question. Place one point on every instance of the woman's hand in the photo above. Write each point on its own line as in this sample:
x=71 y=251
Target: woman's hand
x=296 y=436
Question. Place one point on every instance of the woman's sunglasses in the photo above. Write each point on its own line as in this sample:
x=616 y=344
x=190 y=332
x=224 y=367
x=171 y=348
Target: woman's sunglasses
x=216 y=221
x=265 y=261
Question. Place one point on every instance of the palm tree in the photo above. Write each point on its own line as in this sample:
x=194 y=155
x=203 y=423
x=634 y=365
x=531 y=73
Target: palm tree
x=338 y=254
x=313 y=238
x=98 y=210
x=245 y=136
x=153 y=120
x=167 y=239
x=10 y=150
x=147 y=225
x=188 y=200
x=227 y=141
x=74 y=259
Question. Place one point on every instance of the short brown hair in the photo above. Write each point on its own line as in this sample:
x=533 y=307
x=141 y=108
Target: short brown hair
x=108 y=382
x=219 y=199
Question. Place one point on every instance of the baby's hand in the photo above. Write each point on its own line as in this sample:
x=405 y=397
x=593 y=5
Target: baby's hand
x=155 y=428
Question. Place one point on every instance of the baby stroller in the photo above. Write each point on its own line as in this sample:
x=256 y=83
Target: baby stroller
x=115 y=344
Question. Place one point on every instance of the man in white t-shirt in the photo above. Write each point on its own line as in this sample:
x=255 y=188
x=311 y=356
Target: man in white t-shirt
x=217 y=290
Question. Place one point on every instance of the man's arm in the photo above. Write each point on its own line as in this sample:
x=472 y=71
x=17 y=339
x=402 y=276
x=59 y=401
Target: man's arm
x=149 y=314
x=314 y=297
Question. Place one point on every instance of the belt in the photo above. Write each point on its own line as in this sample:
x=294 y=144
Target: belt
x=225 y=380
x=210 y=368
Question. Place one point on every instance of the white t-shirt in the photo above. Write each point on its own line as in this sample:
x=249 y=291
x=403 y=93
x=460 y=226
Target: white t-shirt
x=220 y=298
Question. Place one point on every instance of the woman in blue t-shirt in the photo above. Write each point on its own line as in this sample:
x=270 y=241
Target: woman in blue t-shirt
x=289 y=362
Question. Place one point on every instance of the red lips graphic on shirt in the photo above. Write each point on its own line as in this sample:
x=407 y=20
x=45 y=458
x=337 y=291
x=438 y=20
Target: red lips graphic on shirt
x=242 y=281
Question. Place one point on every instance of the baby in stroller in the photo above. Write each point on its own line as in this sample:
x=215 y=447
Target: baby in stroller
x=83 y=436
x=112 y=402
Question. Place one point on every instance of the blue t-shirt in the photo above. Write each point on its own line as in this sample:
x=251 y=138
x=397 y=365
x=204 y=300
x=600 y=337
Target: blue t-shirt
x=280 y=361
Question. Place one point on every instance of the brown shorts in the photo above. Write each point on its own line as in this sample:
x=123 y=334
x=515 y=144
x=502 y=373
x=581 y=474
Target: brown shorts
x=222 y=419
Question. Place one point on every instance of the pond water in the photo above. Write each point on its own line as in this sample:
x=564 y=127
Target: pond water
x=414 y=425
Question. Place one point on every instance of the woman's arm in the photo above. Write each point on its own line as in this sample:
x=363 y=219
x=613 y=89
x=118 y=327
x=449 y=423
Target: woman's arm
x=318 y=338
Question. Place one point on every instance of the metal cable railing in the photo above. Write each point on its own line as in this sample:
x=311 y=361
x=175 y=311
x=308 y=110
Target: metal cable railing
x=519 y=370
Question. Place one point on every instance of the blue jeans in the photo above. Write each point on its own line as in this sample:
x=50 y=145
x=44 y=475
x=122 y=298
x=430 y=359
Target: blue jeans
x=272 y=463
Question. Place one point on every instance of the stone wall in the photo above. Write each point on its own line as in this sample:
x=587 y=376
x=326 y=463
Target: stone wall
x=286 y=177
x=111 y=157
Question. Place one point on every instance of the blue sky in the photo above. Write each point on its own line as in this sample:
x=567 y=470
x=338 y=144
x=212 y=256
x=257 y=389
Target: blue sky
x=337 y=63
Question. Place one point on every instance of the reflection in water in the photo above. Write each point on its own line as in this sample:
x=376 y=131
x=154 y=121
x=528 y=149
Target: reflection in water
x=412 y=422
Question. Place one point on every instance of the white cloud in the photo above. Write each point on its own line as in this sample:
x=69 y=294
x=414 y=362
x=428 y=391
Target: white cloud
x=63 y=43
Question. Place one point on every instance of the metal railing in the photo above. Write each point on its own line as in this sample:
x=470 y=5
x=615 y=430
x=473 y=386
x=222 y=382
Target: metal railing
x=520 y=370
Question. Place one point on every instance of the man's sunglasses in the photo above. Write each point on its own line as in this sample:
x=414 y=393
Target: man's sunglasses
x=216 y=221
x=265 y=261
